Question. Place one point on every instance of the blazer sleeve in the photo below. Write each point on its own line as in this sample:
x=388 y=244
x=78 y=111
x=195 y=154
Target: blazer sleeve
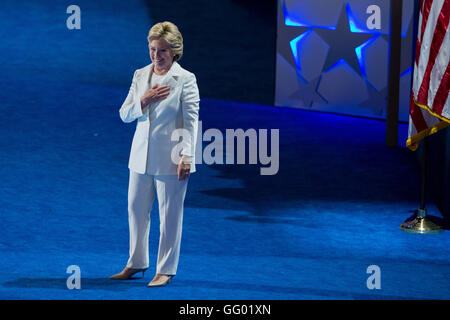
x=131 y=108
x=190 y=101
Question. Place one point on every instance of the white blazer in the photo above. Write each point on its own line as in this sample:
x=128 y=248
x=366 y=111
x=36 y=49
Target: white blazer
x=157 y=121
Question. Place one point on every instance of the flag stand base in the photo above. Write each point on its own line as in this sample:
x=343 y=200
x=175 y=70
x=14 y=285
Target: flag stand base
x=421 y=224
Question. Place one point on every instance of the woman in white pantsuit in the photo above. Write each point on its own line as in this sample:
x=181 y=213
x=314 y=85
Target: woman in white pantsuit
x=164 y=99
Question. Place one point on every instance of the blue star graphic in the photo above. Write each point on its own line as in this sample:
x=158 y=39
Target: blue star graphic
x=343 y=41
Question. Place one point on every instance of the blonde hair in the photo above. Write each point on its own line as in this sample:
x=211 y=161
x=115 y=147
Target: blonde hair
x=169 y=32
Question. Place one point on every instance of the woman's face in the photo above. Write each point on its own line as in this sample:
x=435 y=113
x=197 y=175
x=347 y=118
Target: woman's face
x=161 y=54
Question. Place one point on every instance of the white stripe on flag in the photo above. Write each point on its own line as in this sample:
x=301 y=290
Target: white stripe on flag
x=439 y=69
x=419 y=31
x=411 y=128
x=429 y=118
x=426 y=44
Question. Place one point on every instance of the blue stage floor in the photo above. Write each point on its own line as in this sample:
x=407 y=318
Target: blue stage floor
x=309 y=232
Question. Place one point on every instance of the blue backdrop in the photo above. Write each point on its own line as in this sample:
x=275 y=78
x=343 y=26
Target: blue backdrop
x=332 y=57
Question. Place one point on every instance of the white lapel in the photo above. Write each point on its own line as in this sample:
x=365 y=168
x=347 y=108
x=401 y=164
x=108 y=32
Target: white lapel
x=144 y=79
x=173 y=75
x=172 y=79
x=148 y=74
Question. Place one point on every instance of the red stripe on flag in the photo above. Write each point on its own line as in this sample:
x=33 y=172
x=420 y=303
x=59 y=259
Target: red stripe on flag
x=442 y=93
x=417 y=117
x=424 y=12
x=426 y=8
x=436 y=43
x=418 y=45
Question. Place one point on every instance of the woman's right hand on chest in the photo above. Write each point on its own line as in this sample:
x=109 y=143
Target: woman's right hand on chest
x=154 y=94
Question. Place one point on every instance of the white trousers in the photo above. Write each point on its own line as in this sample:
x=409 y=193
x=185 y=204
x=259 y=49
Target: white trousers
x=141 y=194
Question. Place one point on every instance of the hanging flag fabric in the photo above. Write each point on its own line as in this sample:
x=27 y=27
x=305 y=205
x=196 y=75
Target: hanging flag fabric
x=430 y=107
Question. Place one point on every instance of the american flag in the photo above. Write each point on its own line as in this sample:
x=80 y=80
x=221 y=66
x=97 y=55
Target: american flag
x=430 y=106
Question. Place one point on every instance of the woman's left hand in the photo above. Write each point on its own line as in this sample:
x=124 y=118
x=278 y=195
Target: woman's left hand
x=183 y=169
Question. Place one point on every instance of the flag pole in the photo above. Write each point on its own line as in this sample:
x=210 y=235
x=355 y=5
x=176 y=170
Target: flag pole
x=395 y=33
x=420 y=223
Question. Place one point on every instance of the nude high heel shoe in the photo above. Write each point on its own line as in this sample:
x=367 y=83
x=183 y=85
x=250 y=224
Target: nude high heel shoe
x=127 y=273
x=160 y=282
